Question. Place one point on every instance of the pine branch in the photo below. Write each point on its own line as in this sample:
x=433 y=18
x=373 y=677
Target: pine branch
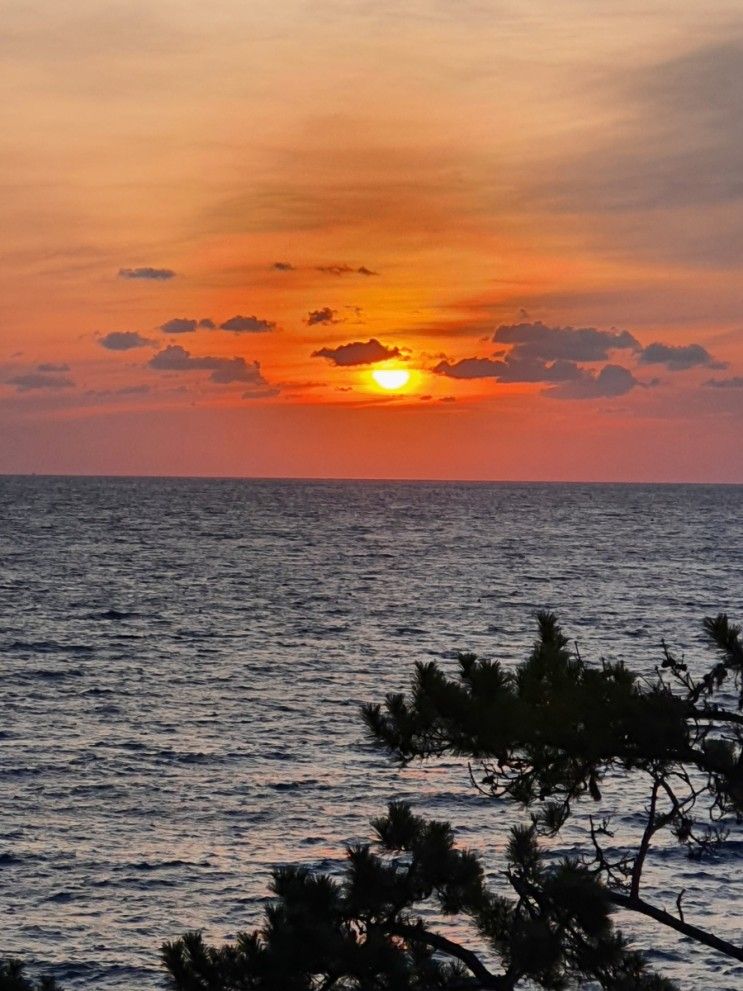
x=665 y=918
x=487 y=980
x=650 y=829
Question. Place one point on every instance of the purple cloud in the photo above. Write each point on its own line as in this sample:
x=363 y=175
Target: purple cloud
x=158 y=274
x=678 y=358
x=358 y=353
x=223 y=370
x=124 y=340
x=345 y=270
x=40 y=380
x=535 y=340
x=612 y=380
x=248 y=325
x=322 y=316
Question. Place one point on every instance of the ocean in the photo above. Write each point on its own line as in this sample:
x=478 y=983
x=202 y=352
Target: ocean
x=183 y=661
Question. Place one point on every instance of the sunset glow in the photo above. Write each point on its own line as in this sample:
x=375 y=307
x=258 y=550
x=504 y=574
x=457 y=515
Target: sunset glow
x=218 y=229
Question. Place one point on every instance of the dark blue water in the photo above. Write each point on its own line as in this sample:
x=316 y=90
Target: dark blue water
x=182 y=663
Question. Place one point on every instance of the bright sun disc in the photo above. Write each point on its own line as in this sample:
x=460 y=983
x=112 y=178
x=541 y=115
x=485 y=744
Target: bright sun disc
x=391 y=378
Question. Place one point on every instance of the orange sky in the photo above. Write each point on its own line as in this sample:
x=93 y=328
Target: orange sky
x=552 y=190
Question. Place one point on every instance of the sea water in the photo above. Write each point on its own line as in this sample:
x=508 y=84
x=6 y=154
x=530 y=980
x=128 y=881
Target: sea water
x=182 y=664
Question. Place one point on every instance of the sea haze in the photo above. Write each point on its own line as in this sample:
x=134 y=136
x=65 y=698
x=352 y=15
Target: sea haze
x=183 y=661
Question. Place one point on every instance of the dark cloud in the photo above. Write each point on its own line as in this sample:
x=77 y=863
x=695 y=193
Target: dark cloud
x=570 y=380
x=174 y=358
x=732 y=383
x=40 y=380
x=51 y=367
x=710 y=79
x=224 y=371
x=345 y=270
x=335 y=269
x=529 y=369
x=678 y=152
x=124 y=340
x=470 y=368
x=127 y=390
x=247 y=325
x=179 y=325
x=678 y=358
x=510 y=369
x=261 y=392
x=184 y=325
x=680 y=145
x=158 y=274
x=282 y=267
x=133 y=390
x=612 y=380
x=358 y=353
x=535 y=340
x=551 y=354
x=322 y=316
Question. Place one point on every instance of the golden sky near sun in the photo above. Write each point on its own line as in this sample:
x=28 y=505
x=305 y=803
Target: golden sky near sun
x=219 y=219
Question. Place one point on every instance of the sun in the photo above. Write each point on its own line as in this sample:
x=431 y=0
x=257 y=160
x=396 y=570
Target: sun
x=391 y=378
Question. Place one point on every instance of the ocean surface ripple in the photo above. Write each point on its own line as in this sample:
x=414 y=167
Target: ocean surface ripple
x=183 y=661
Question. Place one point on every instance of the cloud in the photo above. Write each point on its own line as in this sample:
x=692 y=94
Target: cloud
x=551 y=354
x=174 y=358
x=322 y=316
x=40 y=380
x=133 y=390
x=184 y=325
x=571 y=380
x=282 y=267
x=267 y=392
x=158 y=274
x=732 y=383
x=51 y=367
x=224 y=371
x=357 y=353
x=676 y=150
x=535 y=340
x=345 y=270
x=127 y=390
x=680 y=144
x=247 y=325
x=470 y=368
x=528 y=369
x=124 y=340
x=612 y=380
x=510 y=369
x=678 y=358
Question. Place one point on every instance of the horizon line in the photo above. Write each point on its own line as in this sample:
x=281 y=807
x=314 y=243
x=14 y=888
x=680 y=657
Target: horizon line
x=364 y=478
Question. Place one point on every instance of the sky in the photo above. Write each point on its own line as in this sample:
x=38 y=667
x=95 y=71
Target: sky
x=218 y=220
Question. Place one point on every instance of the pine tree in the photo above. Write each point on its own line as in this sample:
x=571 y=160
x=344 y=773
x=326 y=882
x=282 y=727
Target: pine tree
x=13 y=978
x=544 y=736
